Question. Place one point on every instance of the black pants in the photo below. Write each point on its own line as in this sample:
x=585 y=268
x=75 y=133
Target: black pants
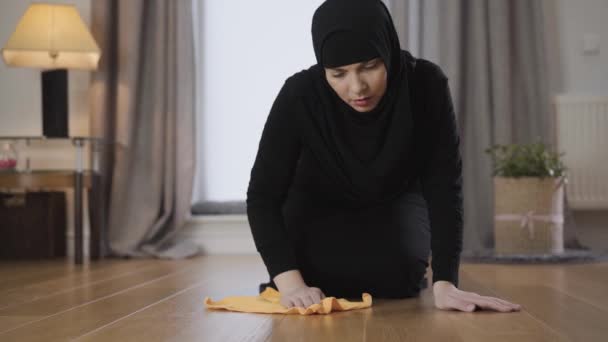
x=382 y=250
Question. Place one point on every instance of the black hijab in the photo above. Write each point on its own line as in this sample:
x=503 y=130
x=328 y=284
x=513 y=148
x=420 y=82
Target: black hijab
x=389 y=124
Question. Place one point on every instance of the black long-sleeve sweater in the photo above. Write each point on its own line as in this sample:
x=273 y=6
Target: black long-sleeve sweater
x=292 y=181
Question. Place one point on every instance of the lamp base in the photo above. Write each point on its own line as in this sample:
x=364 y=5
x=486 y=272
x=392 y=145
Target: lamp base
x=55 y=103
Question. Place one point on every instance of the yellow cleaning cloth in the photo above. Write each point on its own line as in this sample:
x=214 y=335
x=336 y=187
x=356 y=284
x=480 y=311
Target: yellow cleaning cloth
x=268 y=302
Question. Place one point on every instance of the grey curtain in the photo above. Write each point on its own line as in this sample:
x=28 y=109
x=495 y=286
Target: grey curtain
x=502 y=60
x=143 y=104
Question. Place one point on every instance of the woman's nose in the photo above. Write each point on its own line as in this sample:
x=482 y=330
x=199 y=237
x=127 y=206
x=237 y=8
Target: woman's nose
x=358 y=86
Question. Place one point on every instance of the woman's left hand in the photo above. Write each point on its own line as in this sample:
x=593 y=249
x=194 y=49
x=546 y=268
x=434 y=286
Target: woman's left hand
x=447 y=296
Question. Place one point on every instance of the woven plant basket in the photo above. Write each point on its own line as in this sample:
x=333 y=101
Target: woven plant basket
x=528 y=215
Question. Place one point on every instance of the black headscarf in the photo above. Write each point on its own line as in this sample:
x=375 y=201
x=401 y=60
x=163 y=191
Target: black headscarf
x=389 y=124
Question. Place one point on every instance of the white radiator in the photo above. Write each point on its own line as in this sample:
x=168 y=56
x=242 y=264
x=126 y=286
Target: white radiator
x=582 y=133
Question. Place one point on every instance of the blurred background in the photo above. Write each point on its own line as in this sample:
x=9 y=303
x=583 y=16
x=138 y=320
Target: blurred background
x=183 y=89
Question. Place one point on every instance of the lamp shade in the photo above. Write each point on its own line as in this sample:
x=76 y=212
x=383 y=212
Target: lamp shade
x=51 y=36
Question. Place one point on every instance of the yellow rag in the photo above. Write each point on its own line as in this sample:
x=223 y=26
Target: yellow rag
x=269 y=302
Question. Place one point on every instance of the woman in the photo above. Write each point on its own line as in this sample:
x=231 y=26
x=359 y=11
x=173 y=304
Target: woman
x=358 y=174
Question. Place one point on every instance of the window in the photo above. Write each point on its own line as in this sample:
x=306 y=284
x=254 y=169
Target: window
x=244 y=52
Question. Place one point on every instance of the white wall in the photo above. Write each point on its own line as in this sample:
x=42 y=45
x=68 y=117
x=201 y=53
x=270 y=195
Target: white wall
x=582 y=73
x=247 y=50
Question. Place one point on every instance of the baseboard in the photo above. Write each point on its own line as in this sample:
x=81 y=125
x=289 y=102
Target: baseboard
x=216 y=234
x=220 y=234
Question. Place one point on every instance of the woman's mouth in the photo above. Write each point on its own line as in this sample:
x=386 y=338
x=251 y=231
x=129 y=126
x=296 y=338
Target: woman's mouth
x=362 y=102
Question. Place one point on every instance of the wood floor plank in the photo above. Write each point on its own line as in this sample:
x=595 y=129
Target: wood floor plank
x=79 y=320
x=590 y=285
x=55 y=304
x=16 y=268
x=18 y=274
x=386 y=320
x=53 y=271
x=185 y=318
x=105 y=272
x=568 y=315
x=7 y=322
x=190 y=322
x=498 y=326
x=165 y=302
x=587 y=283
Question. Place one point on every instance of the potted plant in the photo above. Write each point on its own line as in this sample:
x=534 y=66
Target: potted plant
x=529 y=184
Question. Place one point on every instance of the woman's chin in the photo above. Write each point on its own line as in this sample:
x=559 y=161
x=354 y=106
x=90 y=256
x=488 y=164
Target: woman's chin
x=363 y=109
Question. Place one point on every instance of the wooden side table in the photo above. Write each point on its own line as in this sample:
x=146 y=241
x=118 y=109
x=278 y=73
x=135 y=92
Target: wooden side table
x=78 y=178
x=55 y=179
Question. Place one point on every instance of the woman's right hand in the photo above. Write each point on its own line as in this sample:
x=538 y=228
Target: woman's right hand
x=302 y=296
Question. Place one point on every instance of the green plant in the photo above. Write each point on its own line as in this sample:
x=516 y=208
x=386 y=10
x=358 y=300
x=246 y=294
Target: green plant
x=526 y=160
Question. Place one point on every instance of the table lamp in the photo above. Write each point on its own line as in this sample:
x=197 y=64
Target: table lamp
x=54 y=38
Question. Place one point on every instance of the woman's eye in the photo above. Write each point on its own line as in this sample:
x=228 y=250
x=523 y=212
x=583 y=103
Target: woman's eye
x=338 y=75
x=371 y=66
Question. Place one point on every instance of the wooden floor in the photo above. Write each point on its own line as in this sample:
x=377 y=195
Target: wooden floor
x=156 y=300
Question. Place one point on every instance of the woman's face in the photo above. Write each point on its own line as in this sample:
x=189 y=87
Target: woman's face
x=361 y=85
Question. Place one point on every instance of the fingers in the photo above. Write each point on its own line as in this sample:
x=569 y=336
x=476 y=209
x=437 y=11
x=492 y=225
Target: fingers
x=319 y=295
x=499 y=301
x=303 y=301
x=307 y=301
x=506 y=306
x=303 y=298
x=299 y=302
x=460 y=304
x=516 y=306
x=487 y=302
x=286 y=303
x=315 y=298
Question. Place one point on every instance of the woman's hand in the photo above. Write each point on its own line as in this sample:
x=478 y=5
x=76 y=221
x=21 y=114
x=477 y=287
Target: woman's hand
x=447 y=297
x=295 y=292
x=302 y=296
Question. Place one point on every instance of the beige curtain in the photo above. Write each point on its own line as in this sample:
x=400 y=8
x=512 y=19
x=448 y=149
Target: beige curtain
x=143 y=103
x=502 y=60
